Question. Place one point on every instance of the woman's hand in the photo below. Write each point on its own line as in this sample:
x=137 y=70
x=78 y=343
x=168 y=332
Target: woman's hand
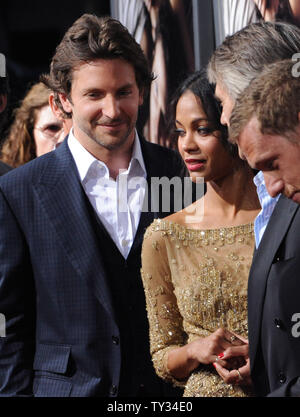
x=239 y=375
x=207 y=350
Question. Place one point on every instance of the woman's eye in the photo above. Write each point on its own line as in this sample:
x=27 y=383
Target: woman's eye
x=53 y=128
x=179 y=132
x=204 y=130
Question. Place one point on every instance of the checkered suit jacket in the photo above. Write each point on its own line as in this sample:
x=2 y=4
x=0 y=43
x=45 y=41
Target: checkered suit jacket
x=53 y=286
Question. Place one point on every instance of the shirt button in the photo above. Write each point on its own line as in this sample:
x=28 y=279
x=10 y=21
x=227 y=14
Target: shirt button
x=278 y=323
x=124 y=243
x=115 y=340
x=113 y=390
x=281 y=377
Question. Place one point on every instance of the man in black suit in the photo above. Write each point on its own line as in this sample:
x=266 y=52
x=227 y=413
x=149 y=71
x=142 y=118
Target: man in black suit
x=265 y=123
x=3 y=102
x=71 y=291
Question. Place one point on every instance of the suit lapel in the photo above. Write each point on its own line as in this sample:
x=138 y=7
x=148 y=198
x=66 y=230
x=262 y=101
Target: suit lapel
x=153 y=169
x=274 y=234
x=64 y=202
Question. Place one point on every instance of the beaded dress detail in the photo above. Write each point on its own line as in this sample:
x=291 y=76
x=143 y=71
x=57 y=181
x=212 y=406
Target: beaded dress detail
x=195 y=282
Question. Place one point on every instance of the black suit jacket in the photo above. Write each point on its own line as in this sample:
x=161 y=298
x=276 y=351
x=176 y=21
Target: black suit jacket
x=61 y=326
x=273 y=301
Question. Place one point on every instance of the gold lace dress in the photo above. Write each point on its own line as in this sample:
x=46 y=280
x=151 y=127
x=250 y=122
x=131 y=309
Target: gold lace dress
x=195 y=282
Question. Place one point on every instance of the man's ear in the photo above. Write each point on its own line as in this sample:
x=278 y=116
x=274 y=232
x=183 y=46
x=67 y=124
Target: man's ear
x=54 y=106
x=141 y=96
x=65 y=102
x=3 y=102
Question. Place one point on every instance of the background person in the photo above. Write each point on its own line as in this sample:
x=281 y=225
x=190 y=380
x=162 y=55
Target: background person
x=195 y=270
x=35 y=129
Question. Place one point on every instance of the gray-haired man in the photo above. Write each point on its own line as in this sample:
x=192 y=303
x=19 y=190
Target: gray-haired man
x=233 y=66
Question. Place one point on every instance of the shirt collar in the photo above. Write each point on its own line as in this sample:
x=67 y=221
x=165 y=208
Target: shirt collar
x=137 y=156
x=84 y=159
x=264 y=197
x=259 y=179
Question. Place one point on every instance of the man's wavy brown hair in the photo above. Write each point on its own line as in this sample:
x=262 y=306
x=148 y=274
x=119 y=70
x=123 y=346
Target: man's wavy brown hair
x=88 y=39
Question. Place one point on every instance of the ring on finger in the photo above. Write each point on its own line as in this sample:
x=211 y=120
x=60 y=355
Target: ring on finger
x=217 y=358
x=239 y=375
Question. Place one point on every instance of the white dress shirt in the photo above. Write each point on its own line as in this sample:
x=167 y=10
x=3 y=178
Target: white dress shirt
x=119 y=202
x=267 y=206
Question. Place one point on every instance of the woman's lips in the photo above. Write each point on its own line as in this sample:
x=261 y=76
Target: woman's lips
x=195 y=164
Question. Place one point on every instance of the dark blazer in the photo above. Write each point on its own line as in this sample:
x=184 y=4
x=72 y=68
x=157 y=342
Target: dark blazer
x=273 y=299
x=61 y=329
x=4 y=168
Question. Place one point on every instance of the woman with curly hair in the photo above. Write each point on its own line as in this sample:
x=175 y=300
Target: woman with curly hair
x=195 y=262
x=35 y=129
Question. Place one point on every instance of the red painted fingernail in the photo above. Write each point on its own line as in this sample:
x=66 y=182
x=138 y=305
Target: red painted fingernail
x=214 y=365
x=221 y=355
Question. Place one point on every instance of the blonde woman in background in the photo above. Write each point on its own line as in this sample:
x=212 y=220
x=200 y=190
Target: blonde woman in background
x=35 y=129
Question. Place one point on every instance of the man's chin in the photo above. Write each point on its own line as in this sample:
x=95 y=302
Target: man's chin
x=110 y=141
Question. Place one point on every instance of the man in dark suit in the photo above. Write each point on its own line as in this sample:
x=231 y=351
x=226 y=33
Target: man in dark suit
x=71 y=234
x=265 y=124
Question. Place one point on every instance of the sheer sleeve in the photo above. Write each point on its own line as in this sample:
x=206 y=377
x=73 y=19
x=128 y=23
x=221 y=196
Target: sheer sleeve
x=165 y=320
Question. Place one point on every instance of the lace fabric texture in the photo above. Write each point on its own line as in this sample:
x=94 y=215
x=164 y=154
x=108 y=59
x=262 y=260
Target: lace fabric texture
x=195 y=282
